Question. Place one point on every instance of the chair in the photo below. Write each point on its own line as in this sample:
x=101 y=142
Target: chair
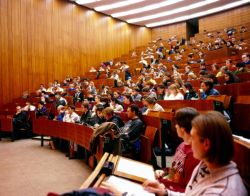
x=224 y=99
x=147 y=142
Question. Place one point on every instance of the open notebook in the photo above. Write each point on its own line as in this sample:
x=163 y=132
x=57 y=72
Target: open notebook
x=134 y=170
x=128 y=186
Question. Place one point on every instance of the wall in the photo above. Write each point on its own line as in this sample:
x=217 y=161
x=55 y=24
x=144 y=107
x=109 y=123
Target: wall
x=229 y=18
x=43 y=40
x=165 y=32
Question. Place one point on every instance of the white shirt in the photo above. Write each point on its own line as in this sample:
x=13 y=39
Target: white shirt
x=71 y=118
x=157 y=108
x=178 y=96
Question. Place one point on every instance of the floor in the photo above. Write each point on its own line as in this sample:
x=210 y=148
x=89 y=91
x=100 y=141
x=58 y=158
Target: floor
x=28 y=169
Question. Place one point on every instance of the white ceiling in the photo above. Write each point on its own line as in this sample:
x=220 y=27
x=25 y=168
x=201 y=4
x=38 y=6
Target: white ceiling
x=157 y=13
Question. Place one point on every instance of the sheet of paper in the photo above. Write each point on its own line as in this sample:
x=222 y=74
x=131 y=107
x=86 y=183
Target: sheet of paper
x=125 y=185
x=135 y=168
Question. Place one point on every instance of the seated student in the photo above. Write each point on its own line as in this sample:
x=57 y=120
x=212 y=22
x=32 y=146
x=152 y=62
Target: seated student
x=70 y=115
x=127 y=101
x=115 y=105
x=109 y=116
x=98 y=117
x=216 y=174
x=151 y=105
x=207 y=88
x=190 y=93
x=177 y=177
x=246 y=59
x=60 y=100
x=41 y=110
x=230 y=78
x=86 y=115
x=78 y=96
x=173 y=93
x=29 y=107
x=20 y=121
x=131 y=131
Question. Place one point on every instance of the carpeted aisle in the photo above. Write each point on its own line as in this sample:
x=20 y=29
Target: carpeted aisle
x=28 y=169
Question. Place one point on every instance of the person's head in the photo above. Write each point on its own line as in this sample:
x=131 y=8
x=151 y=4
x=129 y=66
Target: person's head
x=212 y=138
x=40 y=104
x=135 y=91
x=215 y=67
x=245 y=57
x=99 y=110
x=108 y=113
x=188 y=86
x=128 y=99
x=187 y=69
x=116 y=94
x=132 y=111
x=18 y=108
x=85 y=107
x=97 y=98
x=207 y=85
x=71 y=109
x=160 y=89
x=149 y=101
x=184 y=117
x=228 y=62
x=173 y=89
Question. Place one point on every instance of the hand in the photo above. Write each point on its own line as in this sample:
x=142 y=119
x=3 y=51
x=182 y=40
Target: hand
x=154 y=187
x=110 y=187
x=159 y=173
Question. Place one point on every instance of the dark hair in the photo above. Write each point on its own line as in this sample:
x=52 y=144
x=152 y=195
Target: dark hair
x=188 y=86
x=129 y=97
x=184 y=117
x=209 y=84
x=232 y=77
x=214 y=127
x=134 y=108
x=85 y=105
x=41 y=102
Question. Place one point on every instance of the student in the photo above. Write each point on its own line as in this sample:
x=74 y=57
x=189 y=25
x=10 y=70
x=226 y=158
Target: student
x=177 y=177
x=216 y=174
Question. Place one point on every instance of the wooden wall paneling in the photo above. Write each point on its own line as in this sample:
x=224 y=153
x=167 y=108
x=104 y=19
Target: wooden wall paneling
x=165 y=32
x=43 y=40
x=225 y=19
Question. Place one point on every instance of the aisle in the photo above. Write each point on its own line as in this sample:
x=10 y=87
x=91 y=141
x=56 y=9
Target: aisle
x=28 y=169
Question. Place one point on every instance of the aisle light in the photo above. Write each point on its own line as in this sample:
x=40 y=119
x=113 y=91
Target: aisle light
x=175 y=11
x=146 y=8
x=199 y=14
x=116 y=5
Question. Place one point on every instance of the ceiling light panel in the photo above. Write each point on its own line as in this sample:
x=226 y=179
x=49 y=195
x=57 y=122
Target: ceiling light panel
x=199 y=14
x=146 y=8
x=117 y=5
x=171 y=12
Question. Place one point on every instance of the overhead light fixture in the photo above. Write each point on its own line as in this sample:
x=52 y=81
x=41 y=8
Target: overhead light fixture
x=82 y=2
x=175 y=11
x=116 y=5
x=199 y=14
x=146 y=8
